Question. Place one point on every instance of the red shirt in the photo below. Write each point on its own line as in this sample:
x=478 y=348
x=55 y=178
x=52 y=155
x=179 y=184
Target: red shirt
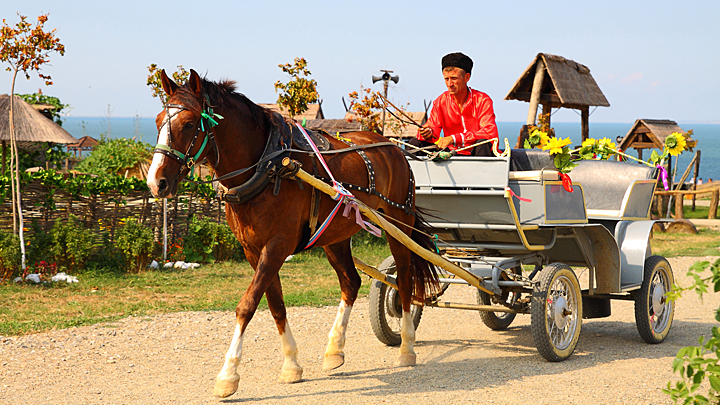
x=474 y=123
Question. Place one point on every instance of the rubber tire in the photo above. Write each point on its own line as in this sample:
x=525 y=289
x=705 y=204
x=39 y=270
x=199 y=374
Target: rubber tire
x=494 y=320
x=654 y=266
x=379 y=317
x=541 y=325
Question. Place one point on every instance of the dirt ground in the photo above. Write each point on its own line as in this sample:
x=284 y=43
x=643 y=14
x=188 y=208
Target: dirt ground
x=174 y=358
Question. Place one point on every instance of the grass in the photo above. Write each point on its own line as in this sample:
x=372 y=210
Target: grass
x=701 y=212
x=705 y=243
x=105 y=295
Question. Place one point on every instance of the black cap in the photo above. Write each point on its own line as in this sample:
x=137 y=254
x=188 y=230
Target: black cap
x=458 y=60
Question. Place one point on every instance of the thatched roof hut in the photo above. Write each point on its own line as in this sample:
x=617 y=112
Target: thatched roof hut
x=30 y=125
x=314 y=112
x=567 y=84
x=648 y=134
x=85 y=144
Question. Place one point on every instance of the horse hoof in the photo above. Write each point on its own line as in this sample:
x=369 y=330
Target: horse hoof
x=407 y=360
x=333 y=361
x=225 y=388
x=290 y=376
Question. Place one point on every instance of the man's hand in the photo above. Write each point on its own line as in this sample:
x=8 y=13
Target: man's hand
x=425 y=133
x=445 y=141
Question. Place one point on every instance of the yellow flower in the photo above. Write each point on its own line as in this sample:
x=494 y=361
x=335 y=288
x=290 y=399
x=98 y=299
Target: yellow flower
x=607 y=143
x=544 y=138
x=678 y=141
x=556 y=145
x=588 y=142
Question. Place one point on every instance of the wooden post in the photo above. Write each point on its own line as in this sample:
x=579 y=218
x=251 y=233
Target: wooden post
x=585 y=122
x=537 y=87
x=679 y=214
x=639 y=151
x=695 y=178
x=547 y=110
x=714 y=204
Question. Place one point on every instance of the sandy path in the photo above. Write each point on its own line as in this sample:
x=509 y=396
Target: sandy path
x=174 y=359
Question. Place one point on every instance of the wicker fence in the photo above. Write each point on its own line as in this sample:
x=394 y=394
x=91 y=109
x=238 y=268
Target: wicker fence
x=108 y=211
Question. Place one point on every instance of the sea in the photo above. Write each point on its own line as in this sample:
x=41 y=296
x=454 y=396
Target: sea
x=707 y=135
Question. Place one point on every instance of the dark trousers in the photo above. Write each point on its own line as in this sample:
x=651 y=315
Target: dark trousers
x=480 y=150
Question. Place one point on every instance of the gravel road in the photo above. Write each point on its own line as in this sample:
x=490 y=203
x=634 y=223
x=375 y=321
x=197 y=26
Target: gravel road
x=174 y=358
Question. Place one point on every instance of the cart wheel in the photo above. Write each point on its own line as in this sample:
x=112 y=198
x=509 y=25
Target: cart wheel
x=497 y=320
x=556 y=312
x=653 y=311
x=386 y=308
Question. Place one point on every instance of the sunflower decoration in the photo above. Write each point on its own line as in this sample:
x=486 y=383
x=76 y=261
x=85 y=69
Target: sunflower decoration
x=539 y=135
x=560 y=148
x=675 y=143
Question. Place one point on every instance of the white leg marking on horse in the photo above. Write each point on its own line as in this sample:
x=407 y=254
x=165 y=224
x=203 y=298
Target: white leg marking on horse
x=159 y=158
x=227 y=380
x=291 y=370
x=334 y=354
x=407 y=347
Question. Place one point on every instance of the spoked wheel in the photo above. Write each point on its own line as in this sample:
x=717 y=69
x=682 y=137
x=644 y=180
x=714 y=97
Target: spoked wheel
x=653 y=311
x=498 y=320
x=556 y=312
x=386 y=308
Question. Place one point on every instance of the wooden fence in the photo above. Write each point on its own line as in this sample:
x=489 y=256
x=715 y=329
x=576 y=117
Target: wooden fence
x=109 y=211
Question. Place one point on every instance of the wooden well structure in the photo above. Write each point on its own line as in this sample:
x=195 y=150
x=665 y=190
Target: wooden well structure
x=556 y=82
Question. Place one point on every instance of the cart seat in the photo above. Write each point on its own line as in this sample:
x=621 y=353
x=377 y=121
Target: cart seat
x=522 y=160
x=531 y=165
x=615 y=190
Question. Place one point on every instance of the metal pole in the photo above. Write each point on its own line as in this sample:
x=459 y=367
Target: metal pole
x=385 y=86
x=164 y=229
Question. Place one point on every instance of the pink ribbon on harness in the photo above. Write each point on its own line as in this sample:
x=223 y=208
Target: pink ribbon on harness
x=349 y=206
x=664 y=176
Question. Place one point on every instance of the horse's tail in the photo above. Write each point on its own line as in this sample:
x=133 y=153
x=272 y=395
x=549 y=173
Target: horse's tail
x=425 y=273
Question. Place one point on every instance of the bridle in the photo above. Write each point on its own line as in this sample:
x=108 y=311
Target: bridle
x=186 y=160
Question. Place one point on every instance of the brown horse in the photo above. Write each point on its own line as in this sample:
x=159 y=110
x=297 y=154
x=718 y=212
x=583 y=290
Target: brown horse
x=272 y=224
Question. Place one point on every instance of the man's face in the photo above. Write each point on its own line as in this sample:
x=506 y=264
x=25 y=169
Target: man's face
x=456 y=80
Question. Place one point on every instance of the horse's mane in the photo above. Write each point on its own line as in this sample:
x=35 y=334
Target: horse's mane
x=223 y=93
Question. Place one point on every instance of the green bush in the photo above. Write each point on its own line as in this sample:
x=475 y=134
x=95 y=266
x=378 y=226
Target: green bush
x=110 y=156
x=40 y=244
x=228 y=247
x=135 y=241
x=201 y=240
x=71 y=243
x=105 y=256
x=9 y=255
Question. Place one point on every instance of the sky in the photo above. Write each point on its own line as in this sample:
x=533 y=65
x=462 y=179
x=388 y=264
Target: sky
x=652 y=59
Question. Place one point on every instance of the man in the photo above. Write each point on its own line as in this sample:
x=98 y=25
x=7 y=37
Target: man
x=464 y=115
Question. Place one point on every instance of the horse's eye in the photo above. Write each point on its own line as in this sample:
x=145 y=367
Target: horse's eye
x=189 y=125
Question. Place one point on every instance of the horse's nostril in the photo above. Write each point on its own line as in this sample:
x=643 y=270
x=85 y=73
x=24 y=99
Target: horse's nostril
x=162 y=185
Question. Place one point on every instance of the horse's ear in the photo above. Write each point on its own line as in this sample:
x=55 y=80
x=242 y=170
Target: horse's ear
x=167 y=84
x=195 y=83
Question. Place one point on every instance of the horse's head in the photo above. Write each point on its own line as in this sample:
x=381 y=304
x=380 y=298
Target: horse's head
x=184 y=127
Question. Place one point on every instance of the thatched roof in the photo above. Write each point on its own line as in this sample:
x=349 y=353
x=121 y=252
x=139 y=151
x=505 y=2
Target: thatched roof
x=314 y=112
x=568 y=84
x=649 y=134
x=30 y=125
x=409 y=131
x=334 y=126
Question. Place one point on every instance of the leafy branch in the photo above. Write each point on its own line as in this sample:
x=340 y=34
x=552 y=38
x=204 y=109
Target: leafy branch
x=296 y=94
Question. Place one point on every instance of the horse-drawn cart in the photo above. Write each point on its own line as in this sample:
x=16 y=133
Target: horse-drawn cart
x=511 y=229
